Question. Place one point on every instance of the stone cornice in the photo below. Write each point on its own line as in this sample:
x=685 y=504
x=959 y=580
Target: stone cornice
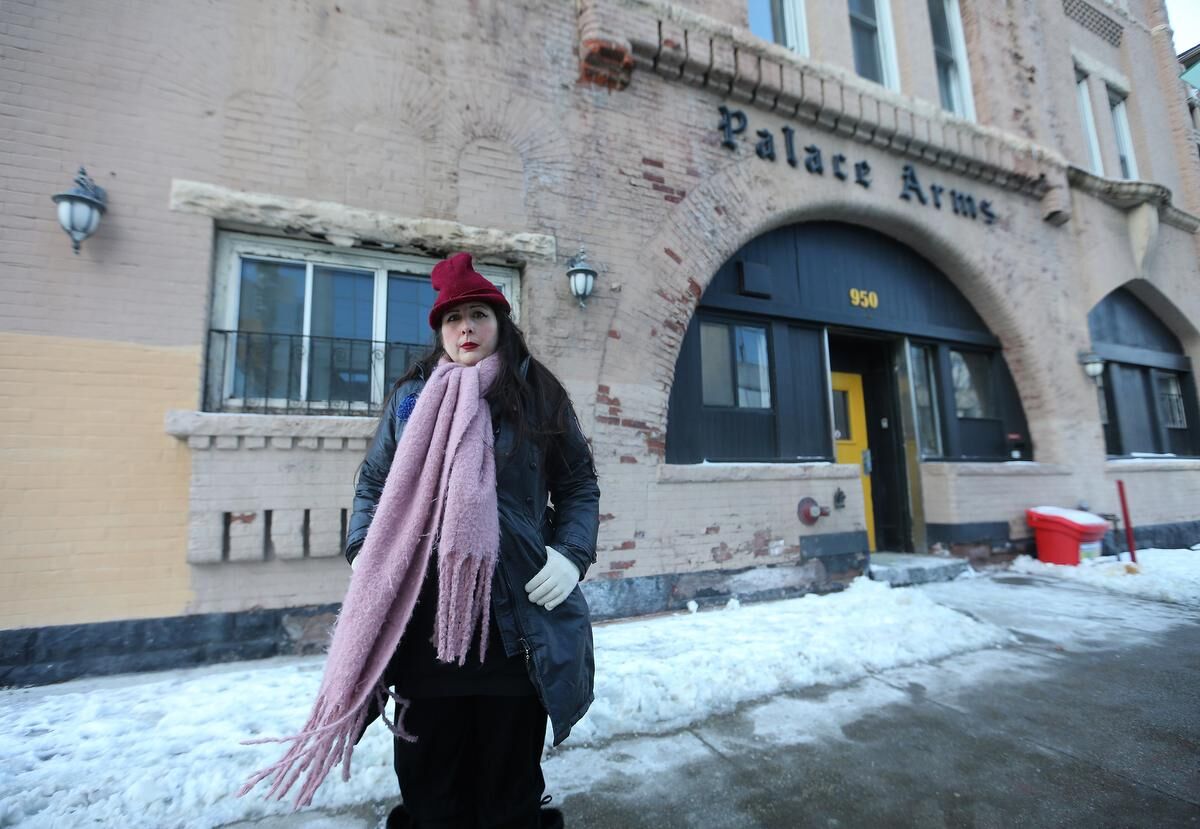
x=347 y=226
x=692 y=49
x=1126 y=194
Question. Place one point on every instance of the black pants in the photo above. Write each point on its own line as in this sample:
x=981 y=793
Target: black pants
x=476 y=762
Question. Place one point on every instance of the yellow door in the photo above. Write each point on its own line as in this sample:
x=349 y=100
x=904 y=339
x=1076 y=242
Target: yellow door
x=850 y=433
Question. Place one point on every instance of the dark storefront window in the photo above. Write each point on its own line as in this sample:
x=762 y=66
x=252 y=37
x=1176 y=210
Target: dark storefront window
x=925 y=394
x=971 y=372
x=1147 y=394
x=735 y=365
x=752 y=378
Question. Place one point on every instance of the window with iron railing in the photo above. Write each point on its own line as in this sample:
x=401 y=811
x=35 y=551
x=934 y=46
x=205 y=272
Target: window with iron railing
x=304 y=328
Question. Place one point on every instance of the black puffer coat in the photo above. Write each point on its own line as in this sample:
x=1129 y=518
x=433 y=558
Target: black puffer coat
x=557 y=644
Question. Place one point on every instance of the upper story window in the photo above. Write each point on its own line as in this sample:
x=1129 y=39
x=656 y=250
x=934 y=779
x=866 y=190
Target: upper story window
x=950 y=53
x=1116 y=103
x=305 y=328
x=1084 y=97
x=873 y=41
x=780 y=21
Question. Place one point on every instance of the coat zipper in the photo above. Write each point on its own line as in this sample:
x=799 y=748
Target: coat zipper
x=530 y=666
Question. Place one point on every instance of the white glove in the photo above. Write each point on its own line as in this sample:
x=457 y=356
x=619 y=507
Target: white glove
x=354 y=562
x=554 y=582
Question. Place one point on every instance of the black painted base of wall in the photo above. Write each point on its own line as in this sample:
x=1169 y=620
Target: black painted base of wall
x=1178 y=536
x=978 y=532
x=643 y=595
x=40 y=656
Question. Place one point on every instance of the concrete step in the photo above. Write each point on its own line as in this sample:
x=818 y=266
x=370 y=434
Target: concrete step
x=900 y=569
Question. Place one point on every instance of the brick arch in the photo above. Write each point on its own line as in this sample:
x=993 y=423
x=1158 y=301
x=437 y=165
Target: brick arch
x=502 y=118
x=698 y=236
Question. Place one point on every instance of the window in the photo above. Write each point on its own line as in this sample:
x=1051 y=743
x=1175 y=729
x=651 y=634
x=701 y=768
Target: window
x=925 y=398
x=1084 y=98
x=734 y=365
x=1149 y=403
x=841 y=415
x=780 y=21
x=971 y=373
x=306 y=328
x=1116 y=103
x=950 y=53
x=1170 y=401
x=871 y=36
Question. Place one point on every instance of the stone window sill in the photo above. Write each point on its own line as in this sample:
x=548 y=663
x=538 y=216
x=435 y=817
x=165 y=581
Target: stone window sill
x=1117 y=465
x=1002 y=468
x=212 y=430
x=755 y=472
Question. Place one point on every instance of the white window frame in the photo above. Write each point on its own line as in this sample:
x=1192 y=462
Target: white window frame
x=1084 y=96
x=886 y=41
x=961 y=91
x=795 y=26
x=789 y=25
x=1116 y=105
x=232 y=247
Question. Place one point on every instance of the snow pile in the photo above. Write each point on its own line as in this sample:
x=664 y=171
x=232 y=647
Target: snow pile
x=162 y=750
x=660 y=674
x=1163 y=575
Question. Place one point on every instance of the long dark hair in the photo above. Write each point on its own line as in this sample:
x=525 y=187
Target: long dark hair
x=536 y=404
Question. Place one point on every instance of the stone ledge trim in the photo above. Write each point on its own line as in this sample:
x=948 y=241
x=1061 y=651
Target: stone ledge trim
x=346 y=226
x=754 y=472
x=200 y=428
x=1122 y=465
x=1126 y=194
x=982 y=469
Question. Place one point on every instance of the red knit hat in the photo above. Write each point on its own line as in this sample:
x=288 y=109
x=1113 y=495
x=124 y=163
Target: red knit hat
x=457 y=281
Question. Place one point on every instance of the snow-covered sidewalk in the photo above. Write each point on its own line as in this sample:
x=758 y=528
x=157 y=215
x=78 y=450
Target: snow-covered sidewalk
x=163 y=750
x=1162 y=575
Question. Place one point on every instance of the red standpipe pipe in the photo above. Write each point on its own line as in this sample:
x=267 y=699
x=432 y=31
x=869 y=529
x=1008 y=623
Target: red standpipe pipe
x=1128 y=524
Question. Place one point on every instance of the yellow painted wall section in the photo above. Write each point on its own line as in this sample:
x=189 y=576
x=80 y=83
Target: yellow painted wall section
x=93 y=491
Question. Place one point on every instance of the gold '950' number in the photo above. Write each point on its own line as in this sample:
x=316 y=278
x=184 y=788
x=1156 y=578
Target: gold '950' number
x=863 y=299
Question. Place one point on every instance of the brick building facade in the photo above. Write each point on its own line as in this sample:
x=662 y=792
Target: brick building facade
x=282 y=176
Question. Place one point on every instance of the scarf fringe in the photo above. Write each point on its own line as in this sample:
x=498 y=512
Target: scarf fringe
x=464 y=604
x=326 y=740
x=319 y=748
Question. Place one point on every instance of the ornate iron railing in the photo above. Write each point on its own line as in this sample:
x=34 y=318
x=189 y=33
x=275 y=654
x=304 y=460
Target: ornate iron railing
x=260 y=372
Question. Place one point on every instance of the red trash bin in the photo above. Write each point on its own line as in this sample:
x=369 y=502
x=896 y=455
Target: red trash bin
x=1059 y=532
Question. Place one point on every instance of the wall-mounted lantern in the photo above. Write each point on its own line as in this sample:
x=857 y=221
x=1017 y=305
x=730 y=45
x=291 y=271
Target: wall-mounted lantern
x=581 y=276
x=1093 y=364
x=80 y=209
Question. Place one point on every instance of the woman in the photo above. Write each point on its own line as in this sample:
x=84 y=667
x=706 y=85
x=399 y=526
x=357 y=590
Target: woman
x=479 y=722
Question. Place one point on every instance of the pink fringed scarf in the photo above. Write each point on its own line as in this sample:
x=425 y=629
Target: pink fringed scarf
x=441 y=488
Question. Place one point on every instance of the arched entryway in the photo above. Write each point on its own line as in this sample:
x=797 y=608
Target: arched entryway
x=831 y=342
